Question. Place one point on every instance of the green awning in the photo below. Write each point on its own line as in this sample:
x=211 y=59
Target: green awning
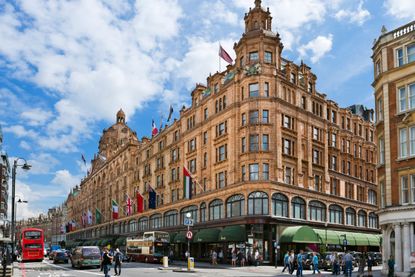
x=121 y=241
x=207 y=235
x=172 y=236
x=299 y=234
x=180 y=238
x=361 y=239
x=374 y=240
x=236 y=233
x=328 y=237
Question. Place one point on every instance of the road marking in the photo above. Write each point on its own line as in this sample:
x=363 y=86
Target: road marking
x=22 y=268
x=67 y=269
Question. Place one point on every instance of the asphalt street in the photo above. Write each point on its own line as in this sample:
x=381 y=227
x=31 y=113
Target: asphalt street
x=47 y=269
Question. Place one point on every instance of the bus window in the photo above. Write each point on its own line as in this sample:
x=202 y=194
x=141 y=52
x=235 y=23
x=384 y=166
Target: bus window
x=32 y=246
x=32 y=235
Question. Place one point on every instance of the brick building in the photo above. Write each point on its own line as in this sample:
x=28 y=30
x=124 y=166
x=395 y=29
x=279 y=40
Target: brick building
x=394 y=84
x=4 y=179
x=267 y=151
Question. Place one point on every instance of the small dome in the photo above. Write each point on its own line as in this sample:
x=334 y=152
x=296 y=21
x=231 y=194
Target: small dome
x=120 y=116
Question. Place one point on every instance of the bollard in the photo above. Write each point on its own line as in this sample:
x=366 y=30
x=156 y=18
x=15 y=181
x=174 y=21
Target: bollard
x=165 y=261
x=190 y=263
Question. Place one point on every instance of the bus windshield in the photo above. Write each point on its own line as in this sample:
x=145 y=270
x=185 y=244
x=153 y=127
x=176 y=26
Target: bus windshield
x=161 y=249
x=162 y=236
x=32 y=235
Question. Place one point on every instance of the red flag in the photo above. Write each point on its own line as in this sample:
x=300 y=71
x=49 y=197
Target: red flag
x=224 y=55
x=154 y=131
x=128 y=204
x=140 y=202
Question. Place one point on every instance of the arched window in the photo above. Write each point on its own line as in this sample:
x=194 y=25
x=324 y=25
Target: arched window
x=155 y=221
x=190 y=209
x=170 y=218
x=235 y=206
x=133 y=226
x=316 y=211
x=143 y=224
x=279 y=205
x=216 y=209
x=350 y=216
x=361 y=218
x=373 y=221
x=298 y=207
x=257 y=203
x=336 y=214
x=203 y=212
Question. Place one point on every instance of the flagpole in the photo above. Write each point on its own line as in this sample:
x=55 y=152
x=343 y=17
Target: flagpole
x=219 y=59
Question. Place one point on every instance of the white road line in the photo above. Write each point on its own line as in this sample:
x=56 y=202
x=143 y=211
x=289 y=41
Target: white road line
x=65 y=268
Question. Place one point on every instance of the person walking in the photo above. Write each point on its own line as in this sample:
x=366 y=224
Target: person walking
x=256 y=257
x=286 y=261
x=391 y=267
x=118 y=261
x=300 y=260
x=362 y=264
x=291 y=261
x=106 y=262
x=234 y=257
x=220 y=256
x=315 y=264
x=348 y=264
x=369 y=265
x=171 y=256
x=335 y=264
x=412 y=264
x=214 y=258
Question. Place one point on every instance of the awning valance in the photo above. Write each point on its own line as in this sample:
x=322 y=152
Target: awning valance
x=207 y=235
x=299 y=234
x=235 y=233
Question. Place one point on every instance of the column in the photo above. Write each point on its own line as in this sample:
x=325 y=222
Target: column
x=411 y=234
x=398 y=248
x=406 y=239
x=385 y=249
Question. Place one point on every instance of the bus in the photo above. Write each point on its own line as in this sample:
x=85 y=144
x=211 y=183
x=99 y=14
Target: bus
x=150 y=248
x=32 y=245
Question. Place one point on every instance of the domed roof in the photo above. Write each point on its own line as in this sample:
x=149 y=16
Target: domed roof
x=120 y=113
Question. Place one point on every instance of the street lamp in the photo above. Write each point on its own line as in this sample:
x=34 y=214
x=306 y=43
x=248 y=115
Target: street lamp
x=25 y=166
x=344 y=242
x=189 y=216
x=325 y=225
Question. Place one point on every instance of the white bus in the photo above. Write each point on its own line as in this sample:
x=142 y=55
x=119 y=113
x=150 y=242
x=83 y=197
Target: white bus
x=150 y=248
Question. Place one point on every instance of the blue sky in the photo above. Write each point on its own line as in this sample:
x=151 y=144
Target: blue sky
x=66 y=67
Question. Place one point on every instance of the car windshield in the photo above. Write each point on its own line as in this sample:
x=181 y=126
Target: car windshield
x=90 y=251
x=60 y=254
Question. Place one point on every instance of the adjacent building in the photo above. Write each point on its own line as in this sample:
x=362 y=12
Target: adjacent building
x=268 y=154
x=4 y=179
x=394 y=84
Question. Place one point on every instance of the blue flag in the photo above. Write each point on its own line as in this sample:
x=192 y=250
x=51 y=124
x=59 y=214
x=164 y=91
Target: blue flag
x=152 y=198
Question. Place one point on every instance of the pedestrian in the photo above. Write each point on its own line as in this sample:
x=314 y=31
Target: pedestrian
x=220 y=255
x=315 y=263
x=241 y=257
x=291 y=261
x=369 y=265
x=412 y=264
x=336 y=264
x=118 y=261
x=214 y=258
x=348 y=264
x=106 y=262
x=234 y=257
x=171 y=256
x=300 y=260
x=256 y=257
x=286 y=261
x=362 y=264
x=391 y=267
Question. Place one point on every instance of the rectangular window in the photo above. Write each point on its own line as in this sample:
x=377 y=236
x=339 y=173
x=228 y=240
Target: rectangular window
x=334 y=162
x=380 y=110
x=402 y=99
x=412 y=141
x=253 y=117
x=265 y=171
x=303 y=102
x=310 y=87
x=316 y=156
x=316 y=133
x=412 y=178
x=205 y=114
x=404 y=190
x=333 y=116
x=253 y=90
x=287 y=122
x=317 y=183
x=221 y=153
x=411 y=96
x=243 y=119
x=382 y=194
x=253 y=172
x=267 y=57
x=253 y=56
x=221 y=129
x=403 y=143
x=334 y=140
x=253 y=143
x=288 y=175
x=192 y=166
x=221 y=179
x=287 y=150
x=293 y=78
x=334 y=187
x=243 y=172
x=266 y=89
x=216 y=88
x=410 y=52
x=265 y=142
x=399 y=57
x=243 y=145
x=205 y=137
x=265 y=116
x=205 y=160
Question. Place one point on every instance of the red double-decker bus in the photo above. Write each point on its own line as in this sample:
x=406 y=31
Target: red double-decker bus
x=32 y=244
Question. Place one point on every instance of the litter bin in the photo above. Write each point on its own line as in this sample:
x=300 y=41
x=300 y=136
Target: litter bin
x=165 y=261
x=190 y=263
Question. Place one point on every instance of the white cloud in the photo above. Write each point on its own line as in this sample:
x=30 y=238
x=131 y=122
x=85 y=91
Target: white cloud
x=36 y=116
x=402 y=9
x=318 y=47
x=21 y=132
x=25 y=145
x=215 y=12
x=42 y=163
x=358 y=16
x=65 y=180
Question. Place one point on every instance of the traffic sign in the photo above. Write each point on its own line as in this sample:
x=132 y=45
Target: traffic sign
x=345 y=242
x=189 y=235
x=188 y=221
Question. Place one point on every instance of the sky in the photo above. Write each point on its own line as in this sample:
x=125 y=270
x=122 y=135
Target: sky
x=67 y=67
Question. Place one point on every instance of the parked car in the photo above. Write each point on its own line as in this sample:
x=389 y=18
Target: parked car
x=60 y=257
x=377 y=258
x=84 y=256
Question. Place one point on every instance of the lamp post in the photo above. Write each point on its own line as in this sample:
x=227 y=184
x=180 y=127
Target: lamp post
x=325 y=225
x=189 y=216
x=344 y=242
x=25 y=166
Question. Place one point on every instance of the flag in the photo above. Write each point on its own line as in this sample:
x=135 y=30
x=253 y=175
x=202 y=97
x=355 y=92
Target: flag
x=97 y=216
x=151 y=198
x=128 y=205
x=154 y=131
x=187 y=184
x=224 y=55
x=63 y=229
x=114 y=209
x=140 y=202
x=83 y=159
x=83 y=219
x=170 y=113
x=67 y=227
x=89 y=215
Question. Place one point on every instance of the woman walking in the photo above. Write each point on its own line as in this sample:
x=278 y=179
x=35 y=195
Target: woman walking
x=362 y=264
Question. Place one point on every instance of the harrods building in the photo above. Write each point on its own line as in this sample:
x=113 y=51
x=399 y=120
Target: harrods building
x=270 y=157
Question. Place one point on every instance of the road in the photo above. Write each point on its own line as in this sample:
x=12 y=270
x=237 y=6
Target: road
x=47 y=269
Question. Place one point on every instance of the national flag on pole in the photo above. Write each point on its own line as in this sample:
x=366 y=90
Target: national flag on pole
x=151 y=198
x=83 y=219
x=63 y=229
x=154 y=131
x=170 y=113
x=89 y=215
x=128 y=205
x=83 y=159
x=140 y=203
x=224 y=55
x=97 y=216
x=187 y=184
x=114 y=209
